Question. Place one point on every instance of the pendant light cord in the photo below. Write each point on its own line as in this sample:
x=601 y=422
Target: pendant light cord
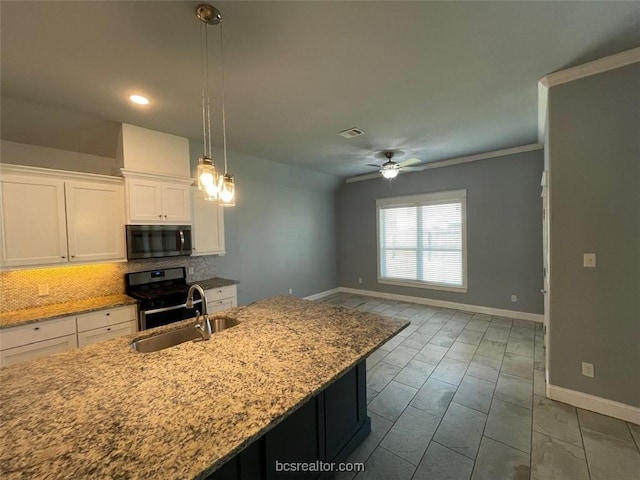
x=224 y=122
x=206 y=96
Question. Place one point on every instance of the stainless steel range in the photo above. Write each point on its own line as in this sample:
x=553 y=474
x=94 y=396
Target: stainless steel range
x=162 y=296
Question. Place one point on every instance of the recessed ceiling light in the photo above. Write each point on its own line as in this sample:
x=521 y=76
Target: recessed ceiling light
x=139 y=99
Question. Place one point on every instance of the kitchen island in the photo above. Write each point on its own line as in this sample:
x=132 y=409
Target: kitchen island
x=105 y=411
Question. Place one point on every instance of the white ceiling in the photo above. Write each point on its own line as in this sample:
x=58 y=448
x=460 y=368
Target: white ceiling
x=439 y=79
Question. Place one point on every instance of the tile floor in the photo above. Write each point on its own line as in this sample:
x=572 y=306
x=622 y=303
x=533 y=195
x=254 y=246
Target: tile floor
x=458 y=395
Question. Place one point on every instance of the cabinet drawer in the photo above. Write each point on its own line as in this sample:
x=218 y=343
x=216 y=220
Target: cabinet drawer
x=106 y=333
x=220 y=293
x=36 y=332
x=104 y=318
x=38 y=349
x=219 y=305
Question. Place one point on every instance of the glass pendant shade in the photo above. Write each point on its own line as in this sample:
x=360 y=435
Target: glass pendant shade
x=227 y=190
x=389 y=172
x=207 y=177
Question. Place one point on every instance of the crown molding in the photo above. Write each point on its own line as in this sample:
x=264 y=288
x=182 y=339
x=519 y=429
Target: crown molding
x=601 y=65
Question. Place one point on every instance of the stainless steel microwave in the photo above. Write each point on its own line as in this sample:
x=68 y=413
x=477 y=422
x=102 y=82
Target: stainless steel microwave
x=154 y=241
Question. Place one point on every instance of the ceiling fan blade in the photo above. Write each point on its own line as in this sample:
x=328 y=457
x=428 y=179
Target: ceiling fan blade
x=409 y=161
x=412 y=169
x=372 y=165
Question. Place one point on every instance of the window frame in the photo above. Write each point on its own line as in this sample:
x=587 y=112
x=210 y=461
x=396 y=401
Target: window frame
x=434 y=198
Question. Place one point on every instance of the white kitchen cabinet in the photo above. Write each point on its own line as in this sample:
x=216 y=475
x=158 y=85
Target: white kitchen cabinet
x=47 y=337
x=157 y=201
x=208 y=226
x=106 y=324
x=50 y=217
x=221 y=298
x=95 y=221
x=26 y=342
x=32 y=221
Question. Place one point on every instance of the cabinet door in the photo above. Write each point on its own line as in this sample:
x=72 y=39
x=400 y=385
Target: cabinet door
x=208 y=226
x=106 y=333
x=144 y=201
x=32 y=221
x=38 y=349
x=175 y=203
x=95 y=221
x=298 y=438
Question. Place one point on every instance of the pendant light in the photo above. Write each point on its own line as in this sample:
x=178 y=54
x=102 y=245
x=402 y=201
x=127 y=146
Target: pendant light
x=216 y=187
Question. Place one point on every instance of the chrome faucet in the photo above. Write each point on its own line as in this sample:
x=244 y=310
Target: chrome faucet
x=204 y=327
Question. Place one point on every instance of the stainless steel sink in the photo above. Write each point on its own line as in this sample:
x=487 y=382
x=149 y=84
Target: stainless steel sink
x=181 y=335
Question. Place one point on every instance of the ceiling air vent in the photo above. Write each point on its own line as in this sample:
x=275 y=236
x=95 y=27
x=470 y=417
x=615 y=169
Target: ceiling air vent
x=351 y=132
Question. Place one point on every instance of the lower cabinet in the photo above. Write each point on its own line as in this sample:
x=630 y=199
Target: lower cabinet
x=48 y=337
x=106 y=324
x=325 y=430
x=31 y=351
x=221 y=298
x=38 y=339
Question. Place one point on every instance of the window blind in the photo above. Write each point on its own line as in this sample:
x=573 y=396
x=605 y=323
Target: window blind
x=422 y=239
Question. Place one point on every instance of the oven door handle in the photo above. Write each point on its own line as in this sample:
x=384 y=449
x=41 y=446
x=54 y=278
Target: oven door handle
x=167 y=309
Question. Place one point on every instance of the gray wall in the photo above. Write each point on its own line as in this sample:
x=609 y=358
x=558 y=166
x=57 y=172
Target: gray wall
x=281 y=234
x=594 y=159
x=504 y=230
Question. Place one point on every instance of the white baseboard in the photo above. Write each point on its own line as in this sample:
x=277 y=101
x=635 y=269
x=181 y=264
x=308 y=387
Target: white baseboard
x=318 y=296
x=601 y=405
x=534 y=317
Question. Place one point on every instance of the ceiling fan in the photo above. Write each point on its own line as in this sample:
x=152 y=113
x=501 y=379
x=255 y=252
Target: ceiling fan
x=390 y=169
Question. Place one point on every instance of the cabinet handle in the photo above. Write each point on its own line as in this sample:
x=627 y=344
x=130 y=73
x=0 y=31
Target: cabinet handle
x=36 y=328
x=62 y=256
x=73 y=256
x=159 y=216
x=108 y=314
x=108 y=329
x=165 y=216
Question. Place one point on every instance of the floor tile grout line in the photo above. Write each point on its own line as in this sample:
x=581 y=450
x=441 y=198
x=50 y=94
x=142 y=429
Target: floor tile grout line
x=633 y=438
x=584 y=447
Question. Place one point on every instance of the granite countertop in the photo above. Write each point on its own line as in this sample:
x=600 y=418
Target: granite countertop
x=105 y=411
x=215 y=283
x=30 y=315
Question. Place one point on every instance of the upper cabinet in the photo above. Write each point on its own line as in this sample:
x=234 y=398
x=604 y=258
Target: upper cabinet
x=156 y=170
x=33 y=222
x=152 y=199
x=208 y=226
x=52 y=217
x=94 y=221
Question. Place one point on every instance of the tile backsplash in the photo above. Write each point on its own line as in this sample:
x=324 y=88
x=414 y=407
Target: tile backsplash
x=19 y=289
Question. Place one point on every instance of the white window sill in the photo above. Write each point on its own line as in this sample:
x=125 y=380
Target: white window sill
x=429 y=286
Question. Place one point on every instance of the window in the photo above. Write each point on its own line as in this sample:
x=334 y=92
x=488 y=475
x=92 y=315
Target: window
x=422 y=240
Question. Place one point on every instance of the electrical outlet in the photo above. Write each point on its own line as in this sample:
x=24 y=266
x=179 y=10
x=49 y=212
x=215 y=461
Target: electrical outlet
x=514 y=298
x=589 y=260
x=588 y=370
x=291 y=291
x=360 y=280
x=191 y=270
x=43 y=290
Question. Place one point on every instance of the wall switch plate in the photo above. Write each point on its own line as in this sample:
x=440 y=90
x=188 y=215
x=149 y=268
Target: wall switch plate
x=43 y=290
x=588 y=370
x=291 y=291
x=191 y=270
x=360 y=280
x=589 y=260
x=514 y=298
